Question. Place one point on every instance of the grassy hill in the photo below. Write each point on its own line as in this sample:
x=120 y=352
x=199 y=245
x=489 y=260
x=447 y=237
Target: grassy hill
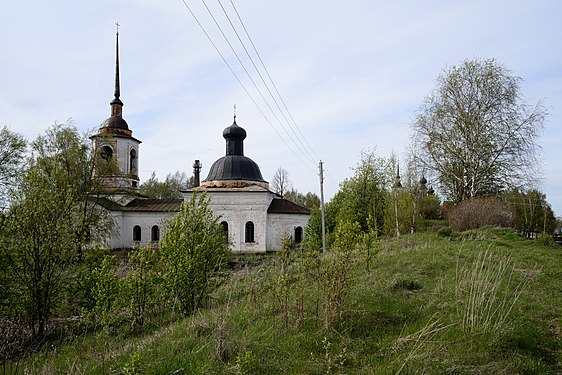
x=480 y=302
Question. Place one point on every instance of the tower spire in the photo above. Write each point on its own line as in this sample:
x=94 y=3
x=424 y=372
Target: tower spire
x=116 y=103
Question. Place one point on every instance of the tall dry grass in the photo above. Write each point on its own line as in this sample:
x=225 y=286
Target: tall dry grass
x=487 y=290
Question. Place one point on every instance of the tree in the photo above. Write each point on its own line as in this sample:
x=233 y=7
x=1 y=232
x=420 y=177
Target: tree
x=531 y=212
x=170 y=188
x=475 y=131
x=362 y=198
x=193 y=250
x=66 y=158
x=12 y=151
x=280 y=182
x=309 y=200
x=39 y=239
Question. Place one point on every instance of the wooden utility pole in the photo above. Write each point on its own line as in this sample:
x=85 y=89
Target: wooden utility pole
x=322 y=206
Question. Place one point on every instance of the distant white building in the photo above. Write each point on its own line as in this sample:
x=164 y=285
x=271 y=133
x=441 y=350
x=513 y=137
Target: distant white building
x=255 y=218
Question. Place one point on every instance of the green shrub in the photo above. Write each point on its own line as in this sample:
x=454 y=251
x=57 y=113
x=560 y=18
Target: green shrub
x=194 y=249
x=546 y=240
x=445 y=232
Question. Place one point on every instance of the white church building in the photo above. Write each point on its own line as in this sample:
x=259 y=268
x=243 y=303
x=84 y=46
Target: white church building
x=254 y=218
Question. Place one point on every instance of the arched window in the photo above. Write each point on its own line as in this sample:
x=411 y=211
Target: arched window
x=224 y=225
x=106 y=152
x=155 y=234
x=137 y=233
x=249 y=232
x=298 y=234
x=133 y=161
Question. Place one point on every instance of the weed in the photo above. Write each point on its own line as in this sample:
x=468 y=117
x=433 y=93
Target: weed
x=488 y=293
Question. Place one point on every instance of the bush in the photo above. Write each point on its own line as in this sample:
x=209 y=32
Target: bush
x=478 y=212
x=194 y=249
x=546 y=240
x=445 y=232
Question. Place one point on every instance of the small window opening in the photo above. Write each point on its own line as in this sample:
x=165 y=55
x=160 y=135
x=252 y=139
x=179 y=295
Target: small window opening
x=106 y=153
x=137 y=233
x=298 y=234
x=224 y=225
x=155 y=234
x=133 y=161
x=249 y=232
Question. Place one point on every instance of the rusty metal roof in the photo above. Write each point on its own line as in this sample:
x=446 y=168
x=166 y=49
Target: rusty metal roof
x=154 y=205
x=283 y=206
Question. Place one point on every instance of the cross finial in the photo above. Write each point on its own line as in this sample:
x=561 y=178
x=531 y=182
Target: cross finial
x=234 y=112
x=117 y=25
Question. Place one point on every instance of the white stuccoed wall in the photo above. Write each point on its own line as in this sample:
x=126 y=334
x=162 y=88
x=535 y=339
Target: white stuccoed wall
x=281 y=226
x=126 y=220
x=239 y=207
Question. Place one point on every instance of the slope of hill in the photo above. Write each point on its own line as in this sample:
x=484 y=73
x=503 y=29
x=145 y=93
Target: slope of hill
x=480 y=302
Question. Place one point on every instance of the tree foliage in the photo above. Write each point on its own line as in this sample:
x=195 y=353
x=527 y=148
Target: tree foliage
x=12 y=152
x=50 y=217
x=362 y=198
x=66 y=157
x=193 y=250
x=39 y=242
x=531 y=212
x=308 y=200
x=475 y=131
x=169 y=188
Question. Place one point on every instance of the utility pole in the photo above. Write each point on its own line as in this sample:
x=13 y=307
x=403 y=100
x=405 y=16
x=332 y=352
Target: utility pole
x=322 y=206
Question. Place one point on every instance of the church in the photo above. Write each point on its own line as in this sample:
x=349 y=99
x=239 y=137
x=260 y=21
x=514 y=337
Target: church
x=254 y=218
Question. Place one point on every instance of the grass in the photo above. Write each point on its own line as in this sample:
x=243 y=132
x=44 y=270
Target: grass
x=482 y=302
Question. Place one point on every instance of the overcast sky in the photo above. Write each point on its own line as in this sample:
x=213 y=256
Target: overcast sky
x=352 y=73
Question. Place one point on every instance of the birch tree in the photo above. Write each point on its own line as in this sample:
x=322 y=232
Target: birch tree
x=476 y=132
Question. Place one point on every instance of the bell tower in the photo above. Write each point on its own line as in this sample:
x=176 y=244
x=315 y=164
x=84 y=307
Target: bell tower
x=116 y=150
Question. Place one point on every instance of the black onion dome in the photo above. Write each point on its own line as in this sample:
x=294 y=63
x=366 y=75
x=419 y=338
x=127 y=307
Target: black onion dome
x=234 y=166
x=234 y=131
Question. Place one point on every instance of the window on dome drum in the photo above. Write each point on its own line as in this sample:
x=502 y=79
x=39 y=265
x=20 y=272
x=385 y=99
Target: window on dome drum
x=133 y=161
x=155 y=234
x=136 y=233
x=249 y=232
x=106 y=152
x=224 y=225
x=298 y=234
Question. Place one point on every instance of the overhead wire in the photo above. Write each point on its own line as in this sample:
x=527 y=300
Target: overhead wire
x=303 y=146
x=269 y=76
x=249 y=76
x=238 y=79
x=298 y=137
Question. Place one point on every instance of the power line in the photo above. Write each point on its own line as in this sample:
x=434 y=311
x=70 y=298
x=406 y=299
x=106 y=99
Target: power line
x=249 y=76
x=305 y=148
x=238 y=79
x=298 y=139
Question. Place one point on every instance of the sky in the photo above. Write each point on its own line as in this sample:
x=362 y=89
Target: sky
x=353 y=75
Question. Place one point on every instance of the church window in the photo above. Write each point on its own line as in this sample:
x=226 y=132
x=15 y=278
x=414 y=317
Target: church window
x=106 y=153
x=224 y=225
x=249 y=232
x=298 y=234
x=136 y=233
x=155 y=234
x=133 y=161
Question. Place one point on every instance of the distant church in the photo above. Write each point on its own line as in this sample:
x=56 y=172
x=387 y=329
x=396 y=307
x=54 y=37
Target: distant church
x=254 y=218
